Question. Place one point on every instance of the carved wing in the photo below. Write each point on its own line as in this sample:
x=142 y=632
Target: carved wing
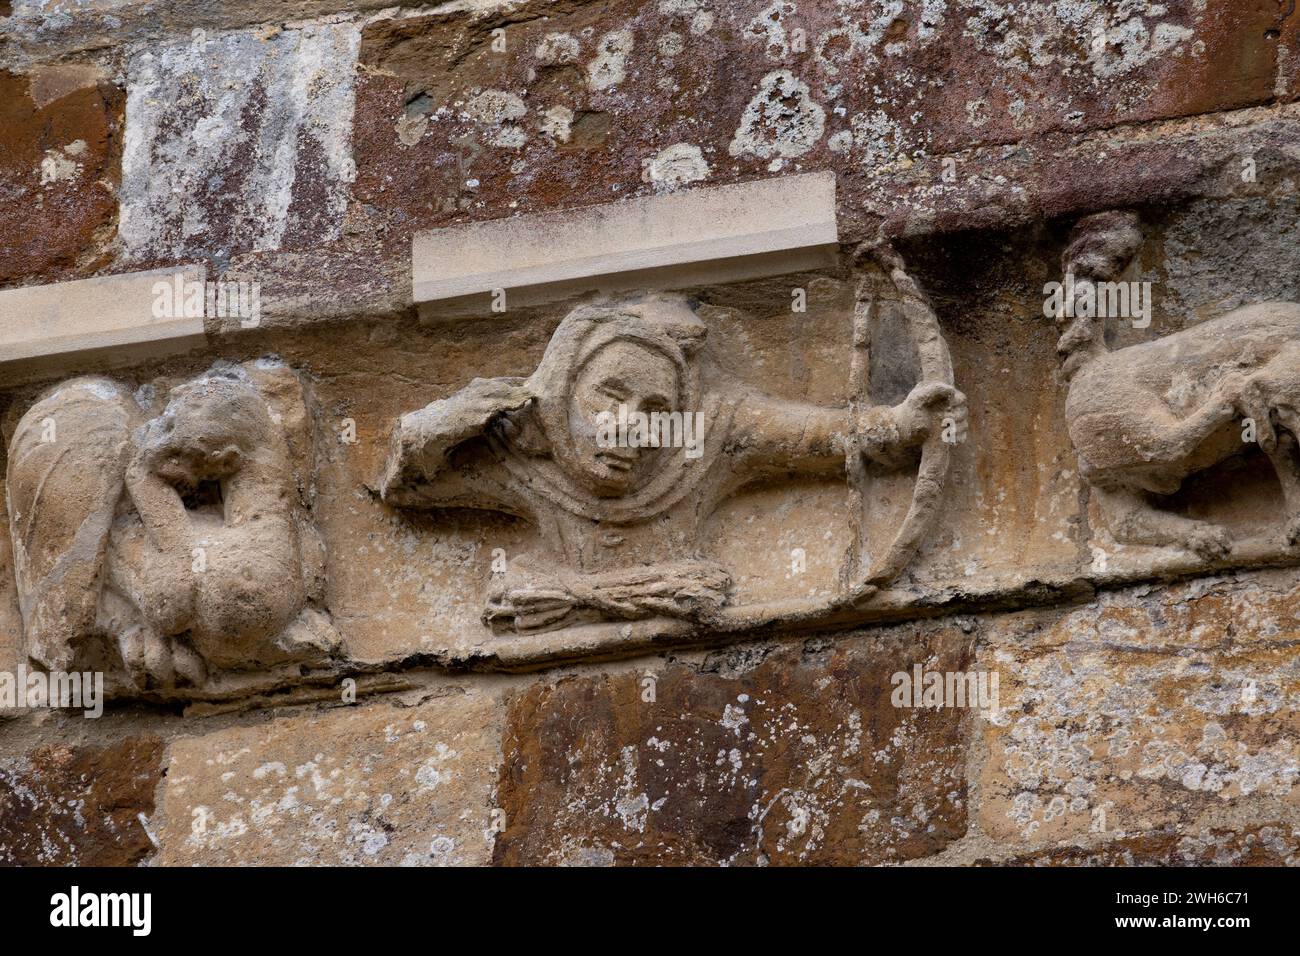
x=65 y=475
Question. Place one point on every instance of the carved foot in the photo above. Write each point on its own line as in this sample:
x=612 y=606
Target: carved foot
x=1133 y=521
x=160 y=663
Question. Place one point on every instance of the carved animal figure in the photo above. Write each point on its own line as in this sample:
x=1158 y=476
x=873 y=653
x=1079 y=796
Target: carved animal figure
x=164 y=549
x=1144 y=418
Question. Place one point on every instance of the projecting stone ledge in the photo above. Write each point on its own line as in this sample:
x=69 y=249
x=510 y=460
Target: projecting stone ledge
x=104 y=319
x=714 y=235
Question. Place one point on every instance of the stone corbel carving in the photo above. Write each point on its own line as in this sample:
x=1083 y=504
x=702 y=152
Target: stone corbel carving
x=620 y=526
x=1145 y=418
x=168 y=551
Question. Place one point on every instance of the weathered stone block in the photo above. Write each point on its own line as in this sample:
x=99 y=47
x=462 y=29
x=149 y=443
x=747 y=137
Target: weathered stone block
x=1268 y=845
x=1148 y=709
x=79 y=805
x=767 y=756
x=380 y=784
x=491 y=113
x=238 y=142
x=60 y=156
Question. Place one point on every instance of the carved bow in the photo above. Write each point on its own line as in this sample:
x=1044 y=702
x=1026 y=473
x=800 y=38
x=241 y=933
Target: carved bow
x=866 y=572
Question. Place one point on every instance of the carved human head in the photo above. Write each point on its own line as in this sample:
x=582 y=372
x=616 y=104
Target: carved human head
x=633 y=356
x=1100 y=248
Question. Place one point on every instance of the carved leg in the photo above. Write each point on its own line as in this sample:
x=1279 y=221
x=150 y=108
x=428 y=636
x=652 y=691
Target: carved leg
x=1286 y=462
x=1276 y=394
x=1134 y=520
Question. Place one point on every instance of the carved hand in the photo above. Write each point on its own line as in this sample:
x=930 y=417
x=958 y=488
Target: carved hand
x=926 y=407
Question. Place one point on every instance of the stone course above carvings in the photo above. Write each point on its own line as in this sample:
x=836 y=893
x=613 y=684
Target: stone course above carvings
x=727 y=233
x=110 y=318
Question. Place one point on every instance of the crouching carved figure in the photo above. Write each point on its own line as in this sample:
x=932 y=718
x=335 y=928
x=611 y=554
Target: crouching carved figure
x=1144 y=418
x=620 y=524
x=166 y=549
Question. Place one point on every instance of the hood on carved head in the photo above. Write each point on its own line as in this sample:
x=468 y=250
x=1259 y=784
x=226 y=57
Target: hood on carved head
x=664 y=323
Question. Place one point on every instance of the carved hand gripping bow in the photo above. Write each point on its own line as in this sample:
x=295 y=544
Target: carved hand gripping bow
x=864 y=572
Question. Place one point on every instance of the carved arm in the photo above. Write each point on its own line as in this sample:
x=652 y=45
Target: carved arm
x=813 y=439
x=168 y=530
x=417 y=466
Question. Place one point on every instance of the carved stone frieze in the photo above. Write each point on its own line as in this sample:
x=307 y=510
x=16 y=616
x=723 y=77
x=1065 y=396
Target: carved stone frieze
x=1147 y=418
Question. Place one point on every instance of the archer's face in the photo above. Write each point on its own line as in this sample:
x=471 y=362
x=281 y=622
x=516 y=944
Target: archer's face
x=622 y=373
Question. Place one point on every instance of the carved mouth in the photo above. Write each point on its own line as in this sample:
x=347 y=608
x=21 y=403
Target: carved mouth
x=615 y=462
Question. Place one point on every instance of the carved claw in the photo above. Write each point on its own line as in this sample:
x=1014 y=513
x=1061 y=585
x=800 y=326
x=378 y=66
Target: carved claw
x=162 y=663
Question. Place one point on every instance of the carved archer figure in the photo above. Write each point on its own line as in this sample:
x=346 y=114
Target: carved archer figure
x=620 y=526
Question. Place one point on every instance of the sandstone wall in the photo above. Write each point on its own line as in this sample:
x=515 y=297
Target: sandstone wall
x=1147 y=692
